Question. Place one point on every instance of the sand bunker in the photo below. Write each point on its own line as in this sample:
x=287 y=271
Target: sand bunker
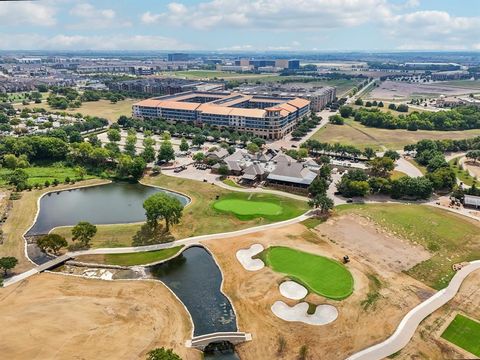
x=293 y=290
x=324 y=314
x=245 y=257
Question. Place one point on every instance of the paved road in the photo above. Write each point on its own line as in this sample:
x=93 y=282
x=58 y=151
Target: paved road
x=407 y=327
x=187 y=241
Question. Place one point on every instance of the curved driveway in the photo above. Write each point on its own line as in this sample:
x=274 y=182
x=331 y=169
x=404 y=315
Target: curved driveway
x=410 y=322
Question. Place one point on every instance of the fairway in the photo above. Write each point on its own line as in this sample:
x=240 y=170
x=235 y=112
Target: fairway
x=248 y=207
x=319 y=274
x=465 y=333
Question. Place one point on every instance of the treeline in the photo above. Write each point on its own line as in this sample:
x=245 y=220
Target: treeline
x=447 y=145
x=65 y=97
x=460 y=118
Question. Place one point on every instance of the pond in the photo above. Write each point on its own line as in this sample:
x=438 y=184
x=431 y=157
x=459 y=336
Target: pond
x=114 y=203
x=196 y=279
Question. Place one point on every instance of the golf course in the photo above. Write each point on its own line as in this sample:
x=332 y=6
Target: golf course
x=321 y=275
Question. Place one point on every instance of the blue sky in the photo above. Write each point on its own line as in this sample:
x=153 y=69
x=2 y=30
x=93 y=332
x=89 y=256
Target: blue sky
x=242 y=25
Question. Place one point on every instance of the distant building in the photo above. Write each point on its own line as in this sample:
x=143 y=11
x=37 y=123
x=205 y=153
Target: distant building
x=163 y=86
x=450 y=75
x=471 y=200
x=178 y=57
x=280 y=64
x=263 y=116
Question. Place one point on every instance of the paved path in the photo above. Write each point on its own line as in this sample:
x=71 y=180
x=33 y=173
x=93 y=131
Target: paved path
x=187 y=241
x=408 y=168
x=407 y=327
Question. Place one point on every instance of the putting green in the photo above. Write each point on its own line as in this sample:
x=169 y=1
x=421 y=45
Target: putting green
x=465 y=333
x=248 y=207
x=319 y=274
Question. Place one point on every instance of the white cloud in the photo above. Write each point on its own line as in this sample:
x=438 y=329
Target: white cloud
x=270 y=14
x=80 y=42
x=92 y=18
x=26 y=13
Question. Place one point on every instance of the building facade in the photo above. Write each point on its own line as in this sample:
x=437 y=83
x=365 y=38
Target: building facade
x=266 y=117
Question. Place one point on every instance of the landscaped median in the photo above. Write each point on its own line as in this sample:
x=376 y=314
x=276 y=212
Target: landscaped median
x=132 y=259
x=319 y=274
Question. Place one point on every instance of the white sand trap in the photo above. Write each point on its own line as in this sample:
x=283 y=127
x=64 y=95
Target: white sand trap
x=293 y=290
x=244 y=256
x=324 y=314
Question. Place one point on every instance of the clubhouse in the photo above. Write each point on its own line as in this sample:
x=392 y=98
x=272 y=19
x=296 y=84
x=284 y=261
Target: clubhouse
x=263 y=116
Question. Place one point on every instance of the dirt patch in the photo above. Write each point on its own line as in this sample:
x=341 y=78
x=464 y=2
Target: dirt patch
x=367 y=242
x=253 y=293
x=62 y=317
x=427 y=343
x=402 y=90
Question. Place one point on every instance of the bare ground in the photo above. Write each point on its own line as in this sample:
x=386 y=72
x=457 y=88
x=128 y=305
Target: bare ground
x=253 y=293
x=427 y=343
x=62 y=317
x=369 y=243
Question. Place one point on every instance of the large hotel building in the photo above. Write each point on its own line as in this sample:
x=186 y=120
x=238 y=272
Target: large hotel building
x=266 y=117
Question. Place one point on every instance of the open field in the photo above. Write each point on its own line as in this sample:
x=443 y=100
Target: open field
x=131 y=259
x=20 y=219
x=323 y=276
x=40 y=174
x=102 y=108
x=52 y=316
x=253 y=293
x=465 y=84
x=356 y=134
x=200 y=217
x=450 y=238
x=464 y=332
x=396 y=90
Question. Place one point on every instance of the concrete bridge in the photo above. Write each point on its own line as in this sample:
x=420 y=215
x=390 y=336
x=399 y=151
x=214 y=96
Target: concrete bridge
x=202 y=341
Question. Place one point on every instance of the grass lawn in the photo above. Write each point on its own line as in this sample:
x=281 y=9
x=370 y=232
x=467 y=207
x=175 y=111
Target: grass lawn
x=132 y=259
x=40 y=174
x=200 y=217
x=449 y=237
x=462 y=175
x=319 y=274
x=468 y=84
x=231 y=183
x=356 y=134
x=395 y=175
x=465 y=333
x=101 y=108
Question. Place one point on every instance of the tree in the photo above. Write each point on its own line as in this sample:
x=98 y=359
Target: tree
x=346 y=111
x=84 y=232
x=252 y=148
x=359 y=102
x=198 y=140
x=198 y=157
x=161 y=206
x=223 y=170
x=75 y=137
x=148 y=154
x=7 y=263
x=162 y=354
x=392 y=154
x=113 y=135
x=184 y=145
x=318 y=186
x=18 y=179
x=166 y=152
x=443 y=178
x=336 y=120
x=392 y=106
x=416 y=188
x=322 y=202
x=402 y=108
x=51 y=242
x=130 y=144
x=381 y=167
x=369 y=153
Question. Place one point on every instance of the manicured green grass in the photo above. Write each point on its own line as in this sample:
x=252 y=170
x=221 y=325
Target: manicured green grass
x=231 y=183
x=142 y=258
x=462 y=175
x=319 y=274
x=40 y=174
x=449 y=237
x=312 y=223
x=247 y=206
x=395 y=175
x=465 y=333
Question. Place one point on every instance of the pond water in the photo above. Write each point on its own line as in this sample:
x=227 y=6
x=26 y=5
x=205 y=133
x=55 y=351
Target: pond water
x=114 y=203
x=196 y=279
